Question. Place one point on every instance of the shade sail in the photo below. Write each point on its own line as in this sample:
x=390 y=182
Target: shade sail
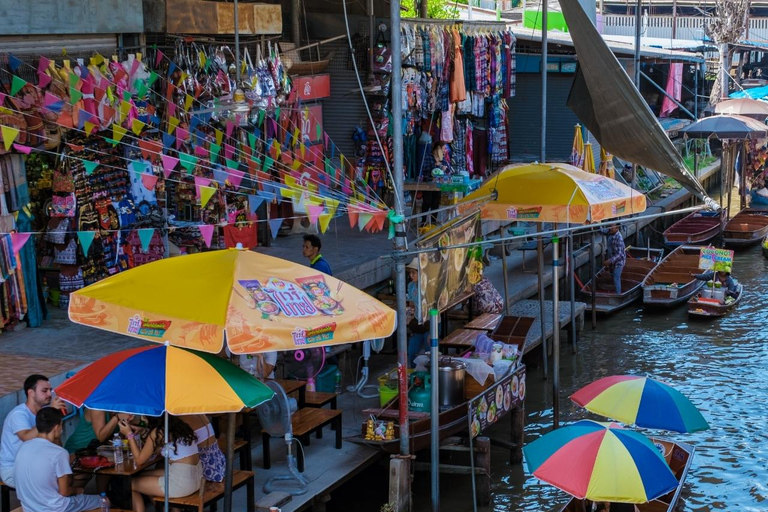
x=604 y=98
x=259 y=302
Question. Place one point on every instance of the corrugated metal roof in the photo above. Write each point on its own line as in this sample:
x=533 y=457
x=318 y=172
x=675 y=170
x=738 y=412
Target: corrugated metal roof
x=618 y=47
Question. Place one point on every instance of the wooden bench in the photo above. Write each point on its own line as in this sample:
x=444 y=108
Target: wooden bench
x=318 y=399
x=304 y=422
x=5 y=497
x=211 y=492
x=242 y=448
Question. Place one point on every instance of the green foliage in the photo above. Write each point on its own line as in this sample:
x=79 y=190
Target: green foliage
x=437 y=9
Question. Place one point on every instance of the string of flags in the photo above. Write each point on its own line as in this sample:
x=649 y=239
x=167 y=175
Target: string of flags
x=319 y=200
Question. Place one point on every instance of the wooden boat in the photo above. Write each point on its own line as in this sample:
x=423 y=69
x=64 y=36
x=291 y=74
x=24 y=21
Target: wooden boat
x=697 y=228
x=679 y=456
x=747 y=228
x=452 y=420
x=640 y=262
x=670 y=283
x=701 y=307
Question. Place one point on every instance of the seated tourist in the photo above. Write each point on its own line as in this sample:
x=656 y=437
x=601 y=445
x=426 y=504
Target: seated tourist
x=211 y=457
x=185 y=470
x=19 y=425
x=42 y=473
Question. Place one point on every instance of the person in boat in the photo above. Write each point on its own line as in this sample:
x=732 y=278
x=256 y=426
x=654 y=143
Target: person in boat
x=725 y=279
x=418 y=341
x=617 y=255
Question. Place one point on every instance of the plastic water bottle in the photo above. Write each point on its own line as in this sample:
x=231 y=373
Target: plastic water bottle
x=104 y=502
x=117 y=443
x=338 y=381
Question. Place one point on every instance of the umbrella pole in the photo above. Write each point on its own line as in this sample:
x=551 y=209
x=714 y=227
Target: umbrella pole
x=592 y=272
x=166 y=463
x=435 y=412
x=572 y=290
x=555 y=334
x=506 y=278
x=231 y=420
x=542 y=311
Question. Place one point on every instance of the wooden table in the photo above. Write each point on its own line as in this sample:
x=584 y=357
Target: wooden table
x=292 y=386
x=120 y=487
x=460 y=338
x=485 y=322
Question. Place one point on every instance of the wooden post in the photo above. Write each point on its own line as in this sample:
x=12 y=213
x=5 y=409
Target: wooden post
x=400 y=483
x=517 y=434
x=483 y=450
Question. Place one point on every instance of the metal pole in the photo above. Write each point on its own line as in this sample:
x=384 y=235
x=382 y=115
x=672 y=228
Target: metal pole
x=542 y=309
x=729 y=178
x=231 y=420
x=593 y=272
x=167 y=464
x=743 y=177
x=544 y=51
x=724 y=68
x=506 y=278
x=295 y=29
x=397 y=171
x=572 y=290
x=555 y=335
x=372 y=34
x=434 y=411
x=237 y=48
x=424 y=7
x=638 y=29
x=469 y=10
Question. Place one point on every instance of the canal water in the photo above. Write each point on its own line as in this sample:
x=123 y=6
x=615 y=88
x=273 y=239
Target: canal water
x=721 y=365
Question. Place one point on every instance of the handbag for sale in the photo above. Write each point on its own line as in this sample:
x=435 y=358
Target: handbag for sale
x=67 y=255
x=57 y=230
x=63 y=206
x=71 y=279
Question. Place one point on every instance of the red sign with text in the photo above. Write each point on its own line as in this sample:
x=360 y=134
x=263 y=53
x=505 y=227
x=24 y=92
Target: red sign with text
x=313 y=87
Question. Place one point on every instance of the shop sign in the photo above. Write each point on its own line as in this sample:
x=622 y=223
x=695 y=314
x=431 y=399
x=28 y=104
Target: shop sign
x=496 y=402
x=715 y=259
x=313 y=87
x=312 y=123
x=443 y=271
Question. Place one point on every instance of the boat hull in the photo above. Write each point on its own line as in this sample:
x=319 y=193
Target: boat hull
x=670 y=283
x=746 y=229
x=696 y=228
x=640 y=262
x=679 y=456
x=704 y=309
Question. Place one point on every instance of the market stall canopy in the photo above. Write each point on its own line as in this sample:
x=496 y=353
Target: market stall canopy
x=256 y=302
x=554 y=193
x=747 y=107
x=155 y=379
x=727 y=127
x=600 y=462
x=607 y=102
x=641 y=401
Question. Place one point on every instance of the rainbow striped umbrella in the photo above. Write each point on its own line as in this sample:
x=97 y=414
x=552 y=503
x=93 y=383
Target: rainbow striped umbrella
x=600 y=462
x=162 y=378
x=641 y=401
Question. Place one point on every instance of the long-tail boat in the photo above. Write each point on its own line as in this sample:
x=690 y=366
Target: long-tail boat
x=640 y=262
x=671 y=282
x=747 y=228
x=697 y=228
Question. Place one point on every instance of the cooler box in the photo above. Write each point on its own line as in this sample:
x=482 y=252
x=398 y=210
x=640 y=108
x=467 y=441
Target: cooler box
x=325 y=382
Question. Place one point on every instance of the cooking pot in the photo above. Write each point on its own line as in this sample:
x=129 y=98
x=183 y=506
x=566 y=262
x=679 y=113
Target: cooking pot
x=450 y=379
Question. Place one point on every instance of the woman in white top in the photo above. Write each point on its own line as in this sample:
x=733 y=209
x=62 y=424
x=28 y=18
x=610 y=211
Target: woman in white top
x=184 y=471
x=213 y=460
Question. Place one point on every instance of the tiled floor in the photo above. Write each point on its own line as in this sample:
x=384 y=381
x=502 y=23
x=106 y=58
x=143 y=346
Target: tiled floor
x=15 y=368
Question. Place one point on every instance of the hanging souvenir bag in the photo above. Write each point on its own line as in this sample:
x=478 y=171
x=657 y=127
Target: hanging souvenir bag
x=382 y=56
x=57 y=230
x=63 y=206
x=71 y=279
x=67 y=255
x=63 y=183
